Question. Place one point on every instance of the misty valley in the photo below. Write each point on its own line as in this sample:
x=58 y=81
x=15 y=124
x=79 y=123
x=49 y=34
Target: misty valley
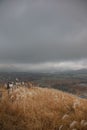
x=74 y=82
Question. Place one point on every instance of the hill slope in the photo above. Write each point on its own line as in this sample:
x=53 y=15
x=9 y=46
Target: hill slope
x=42 y=109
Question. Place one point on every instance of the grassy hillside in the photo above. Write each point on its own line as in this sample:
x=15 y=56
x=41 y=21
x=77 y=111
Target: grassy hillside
x=42 y=109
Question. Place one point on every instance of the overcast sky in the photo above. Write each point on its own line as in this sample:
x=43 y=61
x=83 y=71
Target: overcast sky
x=43 y=35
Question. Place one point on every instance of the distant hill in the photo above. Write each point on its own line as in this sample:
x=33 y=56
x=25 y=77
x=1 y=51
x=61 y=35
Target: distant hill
x=72 y=71
x=82 y=71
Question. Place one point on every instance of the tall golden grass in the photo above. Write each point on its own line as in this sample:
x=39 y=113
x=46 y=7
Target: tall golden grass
x=42 y=109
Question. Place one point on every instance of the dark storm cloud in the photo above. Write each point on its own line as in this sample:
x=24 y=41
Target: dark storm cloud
x=42 y=31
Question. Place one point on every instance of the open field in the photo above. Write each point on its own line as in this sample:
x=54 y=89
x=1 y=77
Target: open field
x=42 y=109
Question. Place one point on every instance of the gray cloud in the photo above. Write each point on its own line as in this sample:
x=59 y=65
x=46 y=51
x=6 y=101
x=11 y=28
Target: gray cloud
x=42 y=31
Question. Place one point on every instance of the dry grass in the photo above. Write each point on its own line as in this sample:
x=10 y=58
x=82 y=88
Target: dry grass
x=42 y=109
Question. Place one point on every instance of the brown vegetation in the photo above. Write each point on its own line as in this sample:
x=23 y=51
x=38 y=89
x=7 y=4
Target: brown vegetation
x=42 y=109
